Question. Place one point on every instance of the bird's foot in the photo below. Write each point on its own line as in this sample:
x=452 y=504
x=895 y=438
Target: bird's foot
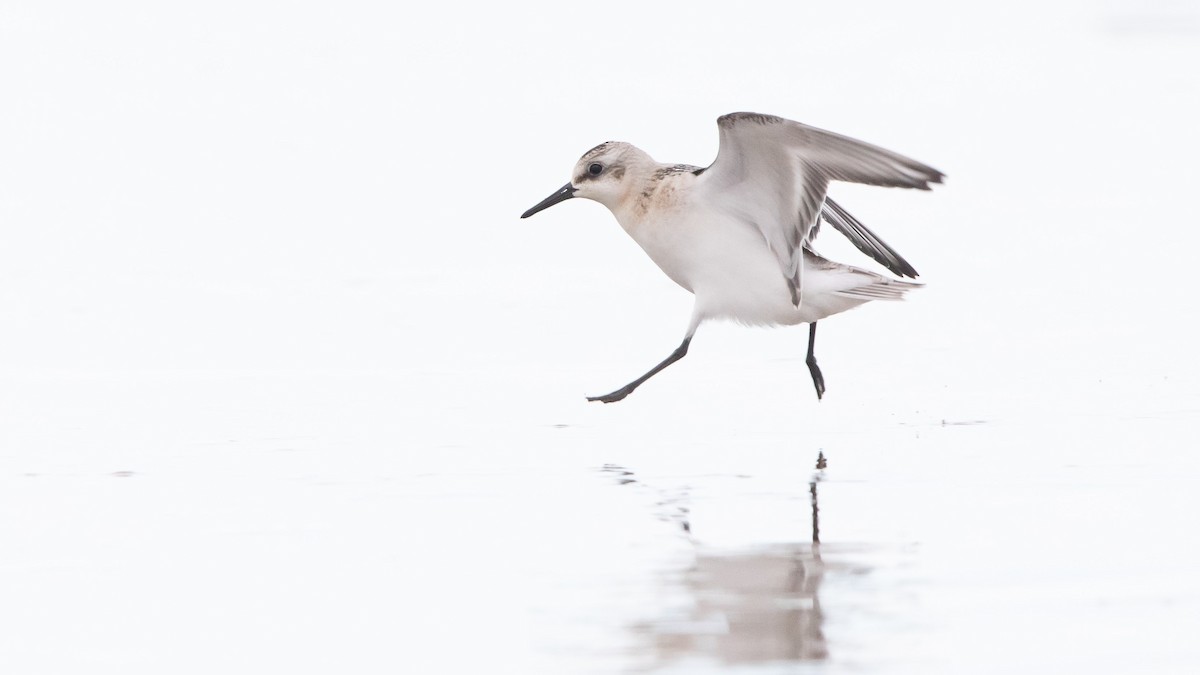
x=612 y=397
x=817 y=378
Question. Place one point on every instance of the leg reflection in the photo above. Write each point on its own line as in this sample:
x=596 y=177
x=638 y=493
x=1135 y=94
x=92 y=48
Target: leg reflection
x=745 y=605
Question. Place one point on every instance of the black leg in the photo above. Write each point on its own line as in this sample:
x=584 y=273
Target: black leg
x=813 y=368
x=621 y=393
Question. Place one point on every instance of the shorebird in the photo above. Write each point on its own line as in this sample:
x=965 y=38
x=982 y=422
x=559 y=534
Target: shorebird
x=738 y=233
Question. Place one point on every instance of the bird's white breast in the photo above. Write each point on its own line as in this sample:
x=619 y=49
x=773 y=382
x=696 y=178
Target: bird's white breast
x=707 y=250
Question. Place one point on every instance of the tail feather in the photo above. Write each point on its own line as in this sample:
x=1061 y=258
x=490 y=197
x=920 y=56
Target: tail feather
x=887 y=289
x=855 y=283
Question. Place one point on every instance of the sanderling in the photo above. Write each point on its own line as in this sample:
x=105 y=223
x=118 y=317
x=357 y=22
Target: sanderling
x=738 y=234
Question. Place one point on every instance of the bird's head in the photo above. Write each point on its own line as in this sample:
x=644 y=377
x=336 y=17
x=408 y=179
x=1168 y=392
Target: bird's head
x=608 y=173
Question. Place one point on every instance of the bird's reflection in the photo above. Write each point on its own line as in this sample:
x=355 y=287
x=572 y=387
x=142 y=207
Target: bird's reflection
x=745 y=606
x=748 y=607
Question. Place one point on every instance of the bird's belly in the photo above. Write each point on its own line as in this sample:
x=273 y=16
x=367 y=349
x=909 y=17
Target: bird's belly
x=729 y=268
x=746 y=291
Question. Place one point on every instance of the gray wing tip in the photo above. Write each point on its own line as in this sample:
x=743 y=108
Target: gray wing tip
x=865 y=240
x=927 y=176
x=932 y=177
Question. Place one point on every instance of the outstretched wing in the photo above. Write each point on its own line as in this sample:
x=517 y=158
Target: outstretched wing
x=864 y=239
x=774 y=173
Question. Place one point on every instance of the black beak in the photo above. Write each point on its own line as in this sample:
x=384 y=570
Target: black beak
x=563 y=194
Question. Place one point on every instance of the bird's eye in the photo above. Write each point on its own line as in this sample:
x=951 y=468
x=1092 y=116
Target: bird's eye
x=595 y=169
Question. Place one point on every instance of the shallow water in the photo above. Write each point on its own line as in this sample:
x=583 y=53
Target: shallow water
x=276 y=516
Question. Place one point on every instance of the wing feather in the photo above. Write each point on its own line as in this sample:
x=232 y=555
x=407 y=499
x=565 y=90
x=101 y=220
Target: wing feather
x=864 y=239
x=774 y=173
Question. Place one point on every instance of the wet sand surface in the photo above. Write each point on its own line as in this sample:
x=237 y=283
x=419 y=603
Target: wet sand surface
x=307 y=536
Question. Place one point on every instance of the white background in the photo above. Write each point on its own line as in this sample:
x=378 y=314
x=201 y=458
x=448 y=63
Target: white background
x=286 y=386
